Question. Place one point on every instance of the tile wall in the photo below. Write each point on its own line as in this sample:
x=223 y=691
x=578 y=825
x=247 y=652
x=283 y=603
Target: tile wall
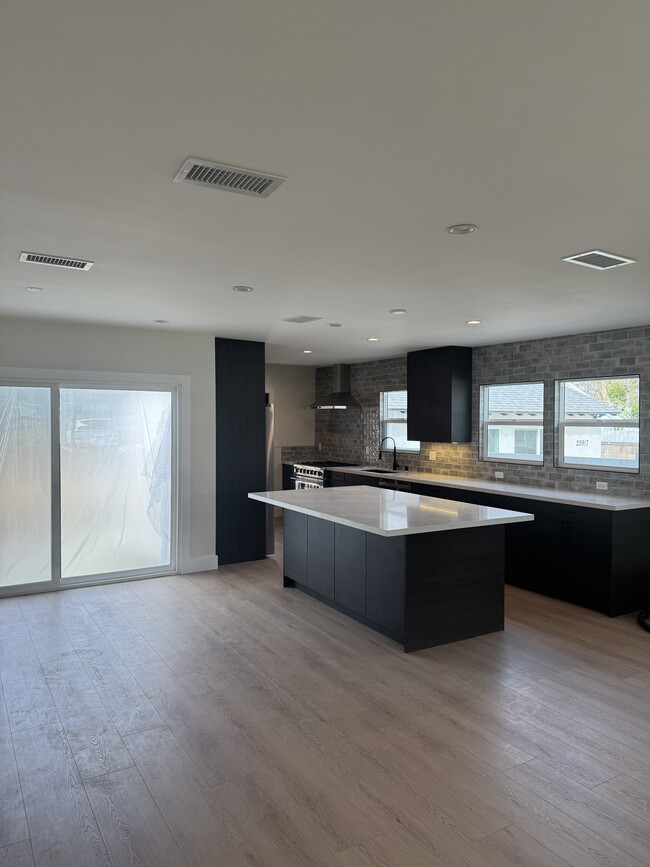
x=353 y=435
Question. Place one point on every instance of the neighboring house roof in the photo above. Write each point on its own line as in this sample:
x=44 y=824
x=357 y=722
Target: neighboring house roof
x=528 y=397
x=576 y=400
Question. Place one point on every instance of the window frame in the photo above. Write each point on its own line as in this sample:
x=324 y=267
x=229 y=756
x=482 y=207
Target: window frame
x=485 y=424
x=383 y=422
x=560 y=425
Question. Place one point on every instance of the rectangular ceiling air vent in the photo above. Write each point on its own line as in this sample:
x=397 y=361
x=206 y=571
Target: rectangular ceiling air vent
x=223 y=177
x=57 y=261
x=598 y=259
x=300 y=320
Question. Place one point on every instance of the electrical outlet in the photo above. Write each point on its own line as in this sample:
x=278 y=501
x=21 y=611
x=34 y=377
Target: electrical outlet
x=432 y=455
x=320 y=447
x=602 y=486
x=498 y=474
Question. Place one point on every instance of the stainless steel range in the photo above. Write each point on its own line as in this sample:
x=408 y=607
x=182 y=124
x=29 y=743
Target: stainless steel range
x=312 y=475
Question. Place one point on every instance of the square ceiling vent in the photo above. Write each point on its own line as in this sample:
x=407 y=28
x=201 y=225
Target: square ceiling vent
x=219 y=176
x=599 y=260
x=302 y=320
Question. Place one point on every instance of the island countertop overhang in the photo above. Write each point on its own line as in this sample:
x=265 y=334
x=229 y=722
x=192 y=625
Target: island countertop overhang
x=387 y=512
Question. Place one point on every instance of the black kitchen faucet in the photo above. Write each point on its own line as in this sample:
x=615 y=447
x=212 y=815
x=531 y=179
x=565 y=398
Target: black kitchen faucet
x=394 y=451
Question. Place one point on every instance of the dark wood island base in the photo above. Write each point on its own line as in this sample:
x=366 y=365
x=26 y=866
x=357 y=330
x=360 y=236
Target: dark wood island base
x=421 y=589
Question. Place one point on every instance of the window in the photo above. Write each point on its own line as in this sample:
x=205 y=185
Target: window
x=392 y=410
x=598 y=423
x=512 y=423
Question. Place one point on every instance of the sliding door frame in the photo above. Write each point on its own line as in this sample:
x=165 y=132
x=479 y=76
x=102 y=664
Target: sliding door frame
x=179 y=386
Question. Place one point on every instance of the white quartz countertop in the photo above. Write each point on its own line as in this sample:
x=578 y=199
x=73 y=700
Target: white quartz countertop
x=386 y=512
x=567 y=498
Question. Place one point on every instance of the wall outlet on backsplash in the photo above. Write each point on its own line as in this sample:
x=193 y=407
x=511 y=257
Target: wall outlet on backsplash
x=498 y=474
x=431 y=455
x=601 y=486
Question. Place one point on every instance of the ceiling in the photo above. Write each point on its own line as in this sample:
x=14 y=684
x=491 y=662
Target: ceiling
x=391 y=120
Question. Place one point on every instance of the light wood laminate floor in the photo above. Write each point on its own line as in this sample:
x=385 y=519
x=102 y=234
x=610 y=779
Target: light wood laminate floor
x=217 y=719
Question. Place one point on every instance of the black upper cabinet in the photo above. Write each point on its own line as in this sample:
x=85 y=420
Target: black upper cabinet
x=439 y=383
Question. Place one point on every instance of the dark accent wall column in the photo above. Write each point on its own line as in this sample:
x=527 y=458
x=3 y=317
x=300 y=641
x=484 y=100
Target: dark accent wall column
x=241 y=433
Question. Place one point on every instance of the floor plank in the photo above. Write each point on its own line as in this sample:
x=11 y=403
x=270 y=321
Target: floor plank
x=62 y=827
x=134 y=831
x=13 y=824
x=18 y=855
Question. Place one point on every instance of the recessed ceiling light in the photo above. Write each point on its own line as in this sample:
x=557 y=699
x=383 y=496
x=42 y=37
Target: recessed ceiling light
x=308 y=351
x=161 y=321
x=335 y=324
x=372 y=339
x=473 y=322
x=398 y=311
x=35 y=289
x=242 y=289
x=461 y=229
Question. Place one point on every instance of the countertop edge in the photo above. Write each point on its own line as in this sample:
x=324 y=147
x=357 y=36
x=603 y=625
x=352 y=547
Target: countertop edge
x=513 y=518
x=551 y=495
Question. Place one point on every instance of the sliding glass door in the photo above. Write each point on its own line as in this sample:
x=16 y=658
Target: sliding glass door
x=105 y=506
x=26 y=489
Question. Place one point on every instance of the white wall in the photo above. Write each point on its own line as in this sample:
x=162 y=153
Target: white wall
x=27 y=343
x=291 y=389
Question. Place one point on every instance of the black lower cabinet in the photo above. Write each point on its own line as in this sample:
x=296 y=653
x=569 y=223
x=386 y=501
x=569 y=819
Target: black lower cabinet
x=421 y=590
x=593 y=557
x=350 y=568
x=320 y=557
x=295 y=546
x=385 y=577
x=596 y=558
x=287 y=477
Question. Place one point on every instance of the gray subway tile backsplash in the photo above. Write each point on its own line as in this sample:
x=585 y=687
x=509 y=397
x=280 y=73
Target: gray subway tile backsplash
x=353 y=435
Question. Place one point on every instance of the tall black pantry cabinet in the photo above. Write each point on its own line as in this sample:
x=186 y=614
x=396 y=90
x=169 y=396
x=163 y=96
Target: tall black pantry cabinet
x=241 y=454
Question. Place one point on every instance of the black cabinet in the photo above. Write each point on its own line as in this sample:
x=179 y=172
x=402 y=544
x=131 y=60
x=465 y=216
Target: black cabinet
x=385 y=581
x=422 y=589
x=569 y=554
x=320 y=557
x=350 y=568
x=240 y=431
x=439 y=386
x=334 y=479
x=295 y=545
x=352 y=479
x=287 y=477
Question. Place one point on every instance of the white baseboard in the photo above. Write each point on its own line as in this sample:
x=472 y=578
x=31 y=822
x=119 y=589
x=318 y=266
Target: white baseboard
x=200 y=564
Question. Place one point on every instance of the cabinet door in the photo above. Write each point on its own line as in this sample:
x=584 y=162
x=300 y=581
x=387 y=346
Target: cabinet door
x=569 y=553
x=386 y=558
x=439 y=385
x=334 y=479
x=320 y=556
x=350 y=568
x=353 y=479
x=295 y=546
x=287 y=473
x=443 y=493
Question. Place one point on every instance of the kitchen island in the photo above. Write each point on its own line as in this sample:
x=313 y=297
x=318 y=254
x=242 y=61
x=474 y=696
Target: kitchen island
x=421 y=570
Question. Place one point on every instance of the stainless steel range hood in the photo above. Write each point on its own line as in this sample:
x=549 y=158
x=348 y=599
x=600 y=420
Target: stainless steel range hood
x=340 y=398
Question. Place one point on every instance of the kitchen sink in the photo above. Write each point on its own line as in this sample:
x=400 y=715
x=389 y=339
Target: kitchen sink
x=374 y=470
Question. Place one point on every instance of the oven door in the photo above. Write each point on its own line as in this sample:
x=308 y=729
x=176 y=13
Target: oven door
x=302 y=484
